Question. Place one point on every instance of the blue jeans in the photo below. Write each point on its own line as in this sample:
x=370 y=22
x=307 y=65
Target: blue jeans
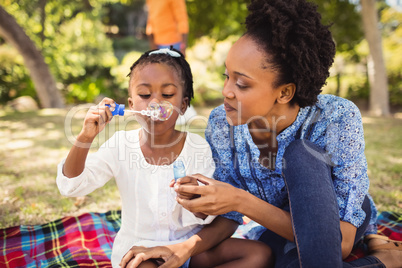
x=175 y=46
x=315 y=214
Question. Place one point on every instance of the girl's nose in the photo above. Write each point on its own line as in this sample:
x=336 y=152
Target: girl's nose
x=154 y=99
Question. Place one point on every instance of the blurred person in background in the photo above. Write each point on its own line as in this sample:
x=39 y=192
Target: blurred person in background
x=167 y=24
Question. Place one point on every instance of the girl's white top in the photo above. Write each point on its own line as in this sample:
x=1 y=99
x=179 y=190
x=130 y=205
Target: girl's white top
x=150 y=214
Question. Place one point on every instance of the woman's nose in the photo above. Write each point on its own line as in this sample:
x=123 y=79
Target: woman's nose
x=227 y=91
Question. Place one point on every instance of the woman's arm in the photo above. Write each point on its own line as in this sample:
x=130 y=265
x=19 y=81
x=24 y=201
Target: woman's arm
x=219 y=198
x=177 y=254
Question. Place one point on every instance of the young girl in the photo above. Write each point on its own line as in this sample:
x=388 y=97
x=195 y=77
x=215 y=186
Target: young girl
x=141 y=161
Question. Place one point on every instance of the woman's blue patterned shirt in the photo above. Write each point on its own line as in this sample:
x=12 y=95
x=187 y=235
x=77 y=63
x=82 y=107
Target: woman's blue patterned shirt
x=333 y=123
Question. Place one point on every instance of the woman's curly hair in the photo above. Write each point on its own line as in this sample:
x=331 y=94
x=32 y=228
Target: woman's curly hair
x=298 y=46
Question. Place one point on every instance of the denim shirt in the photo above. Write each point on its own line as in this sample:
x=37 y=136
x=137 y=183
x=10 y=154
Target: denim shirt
x=333 y=123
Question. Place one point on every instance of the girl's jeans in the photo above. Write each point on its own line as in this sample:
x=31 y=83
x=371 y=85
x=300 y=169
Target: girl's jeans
x=315 y=214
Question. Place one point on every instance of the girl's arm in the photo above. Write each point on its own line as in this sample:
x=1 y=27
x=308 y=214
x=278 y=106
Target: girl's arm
x=75 y=161
x=95 y=121
x=177 y=254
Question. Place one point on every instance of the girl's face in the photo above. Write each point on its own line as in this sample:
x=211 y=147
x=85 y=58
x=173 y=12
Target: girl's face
x=248 y=88
x=154 y=83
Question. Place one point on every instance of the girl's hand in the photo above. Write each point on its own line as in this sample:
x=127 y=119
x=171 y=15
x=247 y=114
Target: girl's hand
x=96 y=119
x=215 y=197
x=188 y=180
x=172 y=255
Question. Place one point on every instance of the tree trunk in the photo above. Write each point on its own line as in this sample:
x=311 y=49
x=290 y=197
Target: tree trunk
x=42 y=7
x=45 y=84
x=379 y=100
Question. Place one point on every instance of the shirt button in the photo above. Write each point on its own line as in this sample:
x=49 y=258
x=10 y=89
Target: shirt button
x=163 y=214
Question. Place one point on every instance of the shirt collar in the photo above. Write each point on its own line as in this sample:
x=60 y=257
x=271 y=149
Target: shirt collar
x=290 y=131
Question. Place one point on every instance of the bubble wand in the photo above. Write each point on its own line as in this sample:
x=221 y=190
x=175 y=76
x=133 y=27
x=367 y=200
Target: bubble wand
x=157 y=111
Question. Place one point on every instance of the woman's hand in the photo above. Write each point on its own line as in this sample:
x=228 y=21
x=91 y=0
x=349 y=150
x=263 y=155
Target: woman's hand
x=188 y=181
x=172 y=255
x=215 y=197
x=185 y=181
x=96 y=119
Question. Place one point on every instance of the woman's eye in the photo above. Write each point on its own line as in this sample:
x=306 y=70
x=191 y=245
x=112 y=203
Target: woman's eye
x=241 y=86
x=226 y=76
x=145 y=96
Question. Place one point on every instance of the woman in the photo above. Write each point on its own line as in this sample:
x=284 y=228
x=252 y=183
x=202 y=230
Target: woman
x=286 y=157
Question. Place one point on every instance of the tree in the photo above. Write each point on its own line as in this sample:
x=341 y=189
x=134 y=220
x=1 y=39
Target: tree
x=216 y=19
x=379 y=100
x=43 y=80
x=345 y=21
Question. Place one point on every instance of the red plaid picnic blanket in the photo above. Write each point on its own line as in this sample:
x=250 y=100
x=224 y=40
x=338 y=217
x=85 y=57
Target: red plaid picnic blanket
x=83 y=241
x=86 y=241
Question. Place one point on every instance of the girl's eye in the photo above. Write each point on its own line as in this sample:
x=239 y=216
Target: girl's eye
x=145 y=96
x=226 y=75
x=167 y=95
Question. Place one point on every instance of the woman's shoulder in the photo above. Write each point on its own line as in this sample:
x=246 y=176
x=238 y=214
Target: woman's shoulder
x=337 y=108
x=330 y=102
x=218 y=114
x=217 y=121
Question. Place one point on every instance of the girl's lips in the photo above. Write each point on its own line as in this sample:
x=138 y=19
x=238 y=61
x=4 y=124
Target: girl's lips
x=228 y=108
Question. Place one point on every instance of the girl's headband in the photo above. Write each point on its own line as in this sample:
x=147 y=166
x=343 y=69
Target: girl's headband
x=166 y=51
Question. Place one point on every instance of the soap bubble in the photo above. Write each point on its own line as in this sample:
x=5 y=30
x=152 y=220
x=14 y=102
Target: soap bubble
x=160 y=111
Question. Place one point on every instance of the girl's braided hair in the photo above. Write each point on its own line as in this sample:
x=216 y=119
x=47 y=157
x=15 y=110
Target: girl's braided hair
x=178 y=63
x=297 y=45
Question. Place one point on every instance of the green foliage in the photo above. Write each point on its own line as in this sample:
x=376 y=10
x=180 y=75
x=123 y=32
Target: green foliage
x=130 y=43
x=345 y=20
x=391 y=20
x=86 y=91
x=206 y=58
x=74 y=45
x=127 y=44
x=351 y=65
x=118 y=13
x=80 y=46
x=217 y=19
x=121 y=71
x=14 y=79
x=85 y=60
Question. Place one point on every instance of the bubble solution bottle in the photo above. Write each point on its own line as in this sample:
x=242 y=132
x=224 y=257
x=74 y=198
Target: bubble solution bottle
x=179 y=170
x=157 y=111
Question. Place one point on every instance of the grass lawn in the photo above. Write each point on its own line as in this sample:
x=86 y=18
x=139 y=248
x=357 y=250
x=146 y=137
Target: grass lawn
x=32 y=144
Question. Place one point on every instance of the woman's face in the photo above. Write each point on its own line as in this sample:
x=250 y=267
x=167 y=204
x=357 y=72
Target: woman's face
x=248 y=91
x=155 y=83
